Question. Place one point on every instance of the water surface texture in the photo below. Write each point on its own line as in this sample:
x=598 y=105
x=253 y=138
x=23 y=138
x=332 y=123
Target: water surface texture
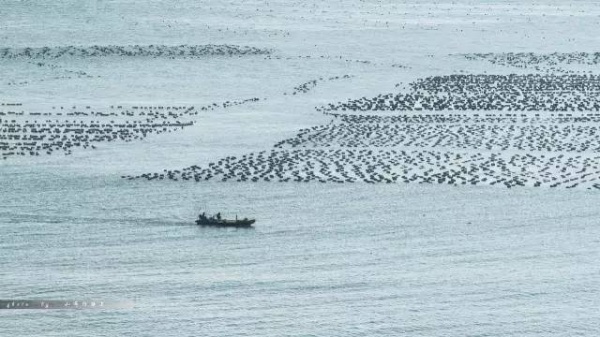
x=415 y=168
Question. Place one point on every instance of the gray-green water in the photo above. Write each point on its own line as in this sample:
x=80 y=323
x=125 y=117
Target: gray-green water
x=324 y=259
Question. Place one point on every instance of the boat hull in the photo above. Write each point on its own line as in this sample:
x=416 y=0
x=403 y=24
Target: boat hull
x=226 y=223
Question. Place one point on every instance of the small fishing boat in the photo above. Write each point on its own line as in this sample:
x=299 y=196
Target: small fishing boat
x=217 y=221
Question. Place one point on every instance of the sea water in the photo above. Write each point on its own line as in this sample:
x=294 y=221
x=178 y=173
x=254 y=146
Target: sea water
x=323 y=259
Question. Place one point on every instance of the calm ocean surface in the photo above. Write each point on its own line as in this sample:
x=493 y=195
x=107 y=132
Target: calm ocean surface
x=324 y=259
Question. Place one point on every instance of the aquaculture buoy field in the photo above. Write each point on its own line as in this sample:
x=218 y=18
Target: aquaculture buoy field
x=414 y=168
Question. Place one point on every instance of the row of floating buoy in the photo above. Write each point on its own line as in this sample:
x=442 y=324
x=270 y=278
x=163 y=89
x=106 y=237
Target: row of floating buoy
x=551 y=62
x=530 y=92
x=308 y=86
x=395 y=166
x=554 y=137
x=155 y=51
x=35 y=138
x=45 y=137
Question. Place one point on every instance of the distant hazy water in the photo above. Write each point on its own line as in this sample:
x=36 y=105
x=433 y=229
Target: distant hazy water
x=324 y=259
